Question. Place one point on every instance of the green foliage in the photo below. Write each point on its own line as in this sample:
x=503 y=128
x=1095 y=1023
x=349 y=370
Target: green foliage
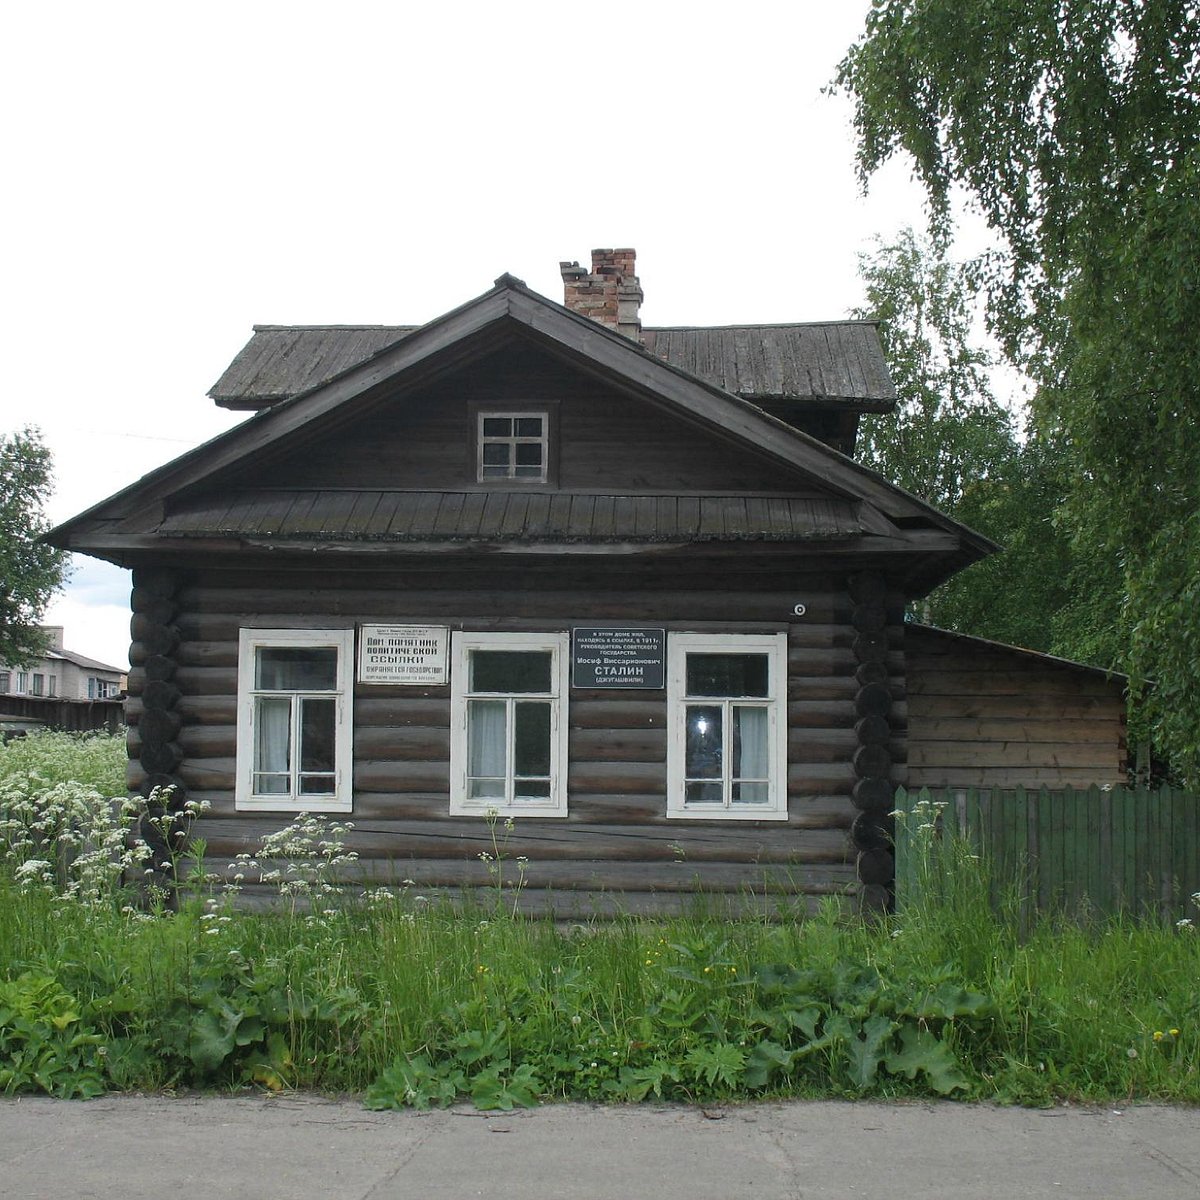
x=29 y=573
x=418 y=1004
x=951 y=443
x=1075 y=129
x=63 y=824
x=44 y=1044
x=44 y=758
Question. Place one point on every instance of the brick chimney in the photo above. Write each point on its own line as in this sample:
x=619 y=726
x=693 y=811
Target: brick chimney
x=611 y=294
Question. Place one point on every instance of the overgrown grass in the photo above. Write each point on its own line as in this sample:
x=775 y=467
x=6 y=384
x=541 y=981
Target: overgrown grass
x=412 y=1002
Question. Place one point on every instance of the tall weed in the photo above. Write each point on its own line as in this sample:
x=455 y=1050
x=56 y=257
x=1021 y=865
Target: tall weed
x=413 y=1002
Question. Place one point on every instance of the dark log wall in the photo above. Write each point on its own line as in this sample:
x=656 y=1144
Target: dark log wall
x=606 y=439
x=981 y=715
x=877 y=618
x=616 y=838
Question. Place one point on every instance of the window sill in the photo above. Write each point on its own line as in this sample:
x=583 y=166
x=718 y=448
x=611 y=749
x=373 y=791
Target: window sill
x=504 y=811
x=286 y=804
x=725 y=814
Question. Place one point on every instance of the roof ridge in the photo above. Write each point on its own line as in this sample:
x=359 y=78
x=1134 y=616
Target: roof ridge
x=281 y=328
x=763 y=325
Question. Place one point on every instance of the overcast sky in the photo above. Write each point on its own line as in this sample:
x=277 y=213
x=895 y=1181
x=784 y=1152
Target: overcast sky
x=176 y=173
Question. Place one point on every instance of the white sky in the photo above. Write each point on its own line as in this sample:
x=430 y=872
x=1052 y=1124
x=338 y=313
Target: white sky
x=176 y=173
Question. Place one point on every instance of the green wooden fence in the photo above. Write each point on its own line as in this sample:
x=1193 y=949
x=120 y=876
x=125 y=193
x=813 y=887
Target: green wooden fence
x=1099 y=850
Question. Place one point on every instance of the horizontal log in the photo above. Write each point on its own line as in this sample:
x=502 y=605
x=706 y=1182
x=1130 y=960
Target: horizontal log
x=618 y=710
x=402 y=777
x=206 y=710
x=1030 y=706
x=811 y=811
x=207 y=773
x=483 y=594
x=1010 y=777
x=207 y=681
x=610 y=745
x=821 y=745
x=923 y=753
x=975 y=684
x=466 y=838
x=607 y=876
x=412 y=744
x=1013 y=729
x=641 y=777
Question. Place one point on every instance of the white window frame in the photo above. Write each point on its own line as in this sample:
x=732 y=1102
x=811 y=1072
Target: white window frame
x=774 y=645
x=512 y=414
x=559 y=646
x=341 y=799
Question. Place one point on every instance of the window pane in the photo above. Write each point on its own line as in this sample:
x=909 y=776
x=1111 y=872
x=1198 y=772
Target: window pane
x=532 y=789
x=751 y=759
x=296 y=668
x=316 y=734
x=273 y=735
x=527 y=473
x=486 y=789
x=529 y=454
x=529 y=427
x=702 y=793
x=272 y=785
x=487 y=741
x=751 y=793
x=531 y=740
x=727 y=675
x=496 y=454
x=497 y=427
x=703 y=750
x=316 y=785
x=510 y=670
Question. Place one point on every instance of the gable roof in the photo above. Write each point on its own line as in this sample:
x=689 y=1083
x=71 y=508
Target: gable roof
x=82 y=661
x=831 y=364
x=137 y=520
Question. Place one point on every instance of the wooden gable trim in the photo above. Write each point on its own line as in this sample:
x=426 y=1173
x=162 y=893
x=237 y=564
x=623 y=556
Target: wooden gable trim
x=585 y=342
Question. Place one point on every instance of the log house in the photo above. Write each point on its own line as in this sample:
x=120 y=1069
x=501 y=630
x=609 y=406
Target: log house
x=622 y=584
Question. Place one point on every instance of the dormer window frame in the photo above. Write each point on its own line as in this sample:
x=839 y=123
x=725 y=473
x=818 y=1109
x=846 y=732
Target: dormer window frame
x=546 y=412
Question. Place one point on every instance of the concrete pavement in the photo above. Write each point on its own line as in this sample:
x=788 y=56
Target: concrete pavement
x=306 y=1147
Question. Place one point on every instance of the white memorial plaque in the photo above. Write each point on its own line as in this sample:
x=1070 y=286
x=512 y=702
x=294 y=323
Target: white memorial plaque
x=402 y=653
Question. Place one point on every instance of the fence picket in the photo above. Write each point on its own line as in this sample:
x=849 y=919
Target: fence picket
x=1113 y=850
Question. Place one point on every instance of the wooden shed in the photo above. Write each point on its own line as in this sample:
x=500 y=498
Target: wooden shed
x=985 y=715
x=622 y=585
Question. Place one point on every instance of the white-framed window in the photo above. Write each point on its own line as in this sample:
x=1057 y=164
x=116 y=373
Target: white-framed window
x=727 y=726
x=39 y=684
x=508 y=724
x=101 y=689
x=51 y=685
x=295 y=715
x=5 y=681
x=512 y=445
x=21 y=682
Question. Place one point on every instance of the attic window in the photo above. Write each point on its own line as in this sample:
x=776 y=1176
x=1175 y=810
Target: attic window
x=513 y=445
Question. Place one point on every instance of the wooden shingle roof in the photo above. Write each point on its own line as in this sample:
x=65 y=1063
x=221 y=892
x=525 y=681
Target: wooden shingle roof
x=355 y=515
x=833 y=364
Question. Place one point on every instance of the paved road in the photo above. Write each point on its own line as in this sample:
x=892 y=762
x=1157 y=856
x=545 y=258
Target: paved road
x=302 y=1147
